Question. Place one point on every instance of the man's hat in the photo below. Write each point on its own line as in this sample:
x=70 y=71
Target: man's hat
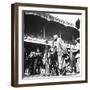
x=55 y=36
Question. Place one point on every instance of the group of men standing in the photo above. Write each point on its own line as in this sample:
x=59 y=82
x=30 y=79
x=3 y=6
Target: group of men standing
x=55 y=61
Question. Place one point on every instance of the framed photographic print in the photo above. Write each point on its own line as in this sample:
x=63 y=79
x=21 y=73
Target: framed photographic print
x=48 y=44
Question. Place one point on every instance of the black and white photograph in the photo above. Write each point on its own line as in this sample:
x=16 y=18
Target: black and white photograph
x=50 y=44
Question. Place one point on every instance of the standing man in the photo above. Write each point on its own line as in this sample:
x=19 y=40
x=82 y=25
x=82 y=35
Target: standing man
x=54 y=62
x=38 y=61
x=57 y=41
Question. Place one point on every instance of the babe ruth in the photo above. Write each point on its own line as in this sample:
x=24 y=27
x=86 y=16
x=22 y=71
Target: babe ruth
x=58 y=43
